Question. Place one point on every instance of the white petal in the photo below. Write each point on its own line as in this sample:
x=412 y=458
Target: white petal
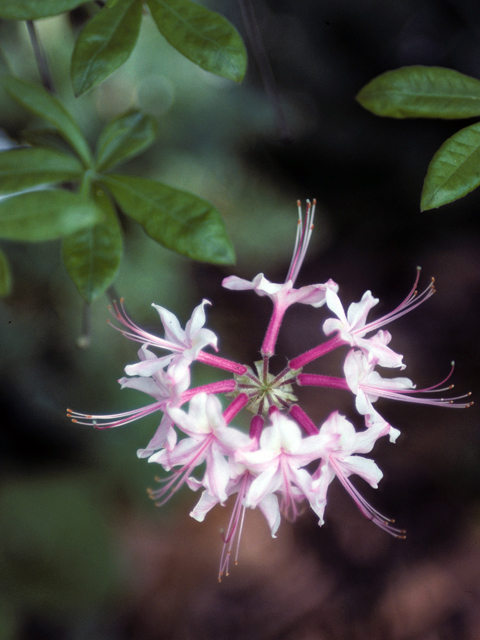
x=203 y=506
x=269 y=507
x=358 y=311
x=267 y=482
x=363 y=467
x=216 y=474
x=173 y=331
x=148 y=367
x=334 y=304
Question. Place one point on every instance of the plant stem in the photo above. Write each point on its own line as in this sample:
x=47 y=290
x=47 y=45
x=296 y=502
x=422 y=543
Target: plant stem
x=40 y=58
x=264 y=68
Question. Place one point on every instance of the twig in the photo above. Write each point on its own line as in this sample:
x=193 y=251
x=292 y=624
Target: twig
x=40 y=57
x=84 y=339
x=264 y=68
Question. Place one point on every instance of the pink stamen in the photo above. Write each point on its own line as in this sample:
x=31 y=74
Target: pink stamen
x=302 y=240
x=403 y=395
x=234 y=530
x=368 y=511
x=178 y=478
x=412 y=301
x=125 y=418
x=135 y=332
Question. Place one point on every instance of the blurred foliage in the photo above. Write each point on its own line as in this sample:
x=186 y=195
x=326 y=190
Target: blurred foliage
x=176 y=219
x=107 y=40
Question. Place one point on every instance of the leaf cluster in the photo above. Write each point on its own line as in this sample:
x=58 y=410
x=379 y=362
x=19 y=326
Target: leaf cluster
x=434 y=92
x=109 y=37
x=83 y=209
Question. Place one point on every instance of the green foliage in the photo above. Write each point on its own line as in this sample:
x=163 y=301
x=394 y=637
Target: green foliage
x=35 y=9
x=92 y=247
x=42 y=103
x=454 y=170
x=204 y=37
x=434 y=92
x=176 y=219
x=49 y=214
x=123 y=138
x=422 y=92
x=105 y=43
x=55 y=549
x=29 y=167
x=92 y=256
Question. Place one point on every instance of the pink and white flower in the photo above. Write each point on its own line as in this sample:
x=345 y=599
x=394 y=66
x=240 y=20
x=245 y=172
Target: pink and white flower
x=165 y=386
x=339 y=460
x=268 y=469
x=186 y=343
x=352 y=327
x=368 y=385
x=284 y=295
x=209 y=440
x=278 y=463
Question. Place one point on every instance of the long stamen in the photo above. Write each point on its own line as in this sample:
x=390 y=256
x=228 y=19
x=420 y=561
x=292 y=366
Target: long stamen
x=110 y=420
x=135 y=332
x=367 y=510
x=405 y=395
x=233 y=530
x=178 y=478
x=412 y=301
x=302 y=240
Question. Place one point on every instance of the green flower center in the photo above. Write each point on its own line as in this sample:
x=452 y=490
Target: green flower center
x=265 y=390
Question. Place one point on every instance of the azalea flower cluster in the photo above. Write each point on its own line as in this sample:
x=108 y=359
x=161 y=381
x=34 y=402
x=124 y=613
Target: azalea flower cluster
x=267 y=468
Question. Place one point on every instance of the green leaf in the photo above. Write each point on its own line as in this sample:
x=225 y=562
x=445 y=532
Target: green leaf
x=105 y=43
x=35 y=9
x=24 y=168
x=454 y=170
x=46 y=215
x=176 y=219
x=123 y=138
x=204 y=37
x=40 y=102
x=92 y=256
x=422 y=92
x=5 y=276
